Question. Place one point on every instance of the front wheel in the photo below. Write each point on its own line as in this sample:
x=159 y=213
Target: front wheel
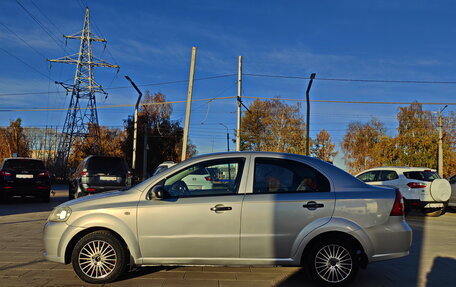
x=99 y=257
x=333 y=262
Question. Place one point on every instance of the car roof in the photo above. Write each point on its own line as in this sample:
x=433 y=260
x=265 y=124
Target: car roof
x=21 y=158
x=399 y=168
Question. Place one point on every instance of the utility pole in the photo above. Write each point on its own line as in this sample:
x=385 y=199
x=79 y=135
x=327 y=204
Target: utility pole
x=440 y=155
x=135 y=124
x=189 y=104
x=82 y=111
x=312 y=77
x=145 y=150
x=239 y=102
x=227 y=137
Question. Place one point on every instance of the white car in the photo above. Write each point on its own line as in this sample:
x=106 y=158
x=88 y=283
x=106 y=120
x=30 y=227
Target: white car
x=163 y=166
x=421 y=187
x=452 y=201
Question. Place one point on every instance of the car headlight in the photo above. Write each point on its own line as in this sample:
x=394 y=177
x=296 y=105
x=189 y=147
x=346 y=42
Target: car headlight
x=60 y=214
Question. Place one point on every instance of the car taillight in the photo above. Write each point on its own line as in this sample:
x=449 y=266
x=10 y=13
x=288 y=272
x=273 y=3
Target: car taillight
x=5 y=173
x=208 y=178
x=90 y=189
x=84 y=173
x=416 y=185
x=398 y=206
x=46 y=173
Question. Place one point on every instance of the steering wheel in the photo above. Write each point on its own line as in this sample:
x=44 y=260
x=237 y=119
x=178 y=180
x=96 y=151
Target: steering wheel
x=180 y=188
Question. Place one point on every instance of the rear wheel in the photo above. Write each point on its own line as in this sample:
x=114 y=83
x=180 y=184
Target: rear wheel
x=46 y=197
x=333 y=262
x=99 y=257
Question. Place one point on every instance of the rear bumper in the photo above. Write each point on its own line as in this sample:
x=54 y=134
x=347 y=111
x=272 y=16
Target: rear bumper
x=415 y=203
x=88 y=189
x=387 y=241
x=39 y=190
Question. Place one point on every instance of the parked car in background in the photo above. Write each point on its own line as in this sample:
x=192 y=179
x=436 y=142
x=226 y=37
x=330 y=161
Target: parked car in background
x=163 y=166
x=422 y=188
x=24 y=177
x=97 y=174
x=452 y=201
x=277 y=209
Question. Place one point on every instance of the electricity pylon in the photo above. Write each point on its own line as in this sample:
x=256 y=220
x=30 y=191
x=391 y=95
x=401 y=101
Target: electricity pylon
x=82 y=112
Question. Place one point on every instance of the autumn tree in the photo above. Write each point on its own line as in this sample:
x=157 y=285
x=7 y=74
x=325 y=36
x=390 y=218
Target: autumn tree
x=100 y=141
x=13 y=140
x=273 y=126
x=417 y=137
x=416 y=142
x=322 y=147
x=164 y=136
x=362 y=144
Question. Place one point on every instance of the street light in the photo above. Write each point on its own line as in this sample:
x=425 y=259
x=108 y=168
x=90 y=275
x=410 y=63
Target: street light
x=227 y=137
x=135 y=125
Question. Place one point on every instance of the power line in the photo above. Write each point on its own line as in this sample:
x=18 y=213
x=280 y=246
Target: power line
x=351 y=102
x=49 y=33
x=47 y=18
x=20 y=38
x=25 y=63
x=128 y=87
x=350 y=80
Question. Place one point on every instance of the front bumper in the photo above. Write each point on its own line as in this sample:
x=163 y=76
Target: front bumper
x=56 y=237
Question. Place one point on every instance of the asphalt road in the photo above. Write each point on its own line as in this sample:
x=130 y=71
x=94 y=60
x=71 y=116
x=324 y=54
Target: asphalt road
x=432 y=260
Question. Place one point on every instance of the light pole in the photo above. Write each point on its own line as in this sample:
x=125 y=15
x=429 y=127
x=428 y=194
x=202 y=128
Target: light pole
x=227 y=137
x=312 y=77
x=135 y=125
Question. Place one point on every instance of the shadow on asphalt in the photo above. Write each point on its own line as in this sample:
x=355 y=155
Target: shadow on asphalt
x=443 y=270
x=22 y=264
x=20 y=205
x=142 y=271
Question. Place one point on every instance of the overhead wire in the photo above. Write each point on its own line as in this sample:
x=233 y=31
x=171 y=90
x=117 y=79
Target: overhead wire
x=350 y=80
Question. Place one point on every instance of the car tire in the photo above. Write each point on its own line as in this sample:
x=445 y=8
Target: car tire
x=433 y=212
x=70 y=192
x=46 y=197
x=332 y=262
x=99 y=257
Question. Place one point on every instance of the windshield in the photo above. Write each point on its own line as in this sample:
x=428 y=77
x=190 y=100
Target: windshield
x=23 y=164
x=422 y=175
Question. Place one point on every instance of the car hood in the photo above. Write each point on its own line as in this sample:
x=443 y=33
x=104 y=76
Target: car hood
x=104 y=200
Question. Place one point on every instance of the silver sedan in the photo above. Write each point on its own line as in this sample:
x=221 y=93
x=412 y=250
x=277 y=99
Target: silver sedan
x=262 y=209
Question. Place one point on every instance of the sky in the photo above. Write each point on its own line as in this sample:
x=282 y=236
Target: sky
x=152 y=41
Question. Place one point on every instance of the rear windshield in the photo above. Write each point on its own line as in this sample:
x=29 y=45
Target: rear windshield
x=422 y=175
x=23 y=164
x=107 y=164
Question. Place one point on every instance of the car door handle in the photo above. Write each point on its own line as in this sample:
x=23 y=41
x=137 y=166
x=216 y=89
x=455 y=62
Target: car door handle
x=220 y=207
x=313 y=205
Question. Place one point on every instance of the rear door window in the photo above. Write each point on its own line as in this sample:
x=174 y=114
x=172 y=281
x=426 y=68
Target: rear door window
x=387 y=175
x=422 y=175
x=23 y=164
x=282 y=176
x=369 y=176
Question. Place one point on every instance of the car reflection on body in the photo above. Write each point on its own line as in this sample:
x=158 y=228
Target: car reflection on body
x=274 y=209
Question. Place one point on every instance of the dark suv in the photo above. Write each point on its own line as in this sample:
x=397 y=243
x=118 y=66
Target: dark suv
x=97 y=174
x=24 y=177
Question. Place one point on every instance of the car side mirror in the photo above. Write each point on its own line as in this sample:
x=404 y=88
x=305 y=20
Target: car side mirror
x=159 y=192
